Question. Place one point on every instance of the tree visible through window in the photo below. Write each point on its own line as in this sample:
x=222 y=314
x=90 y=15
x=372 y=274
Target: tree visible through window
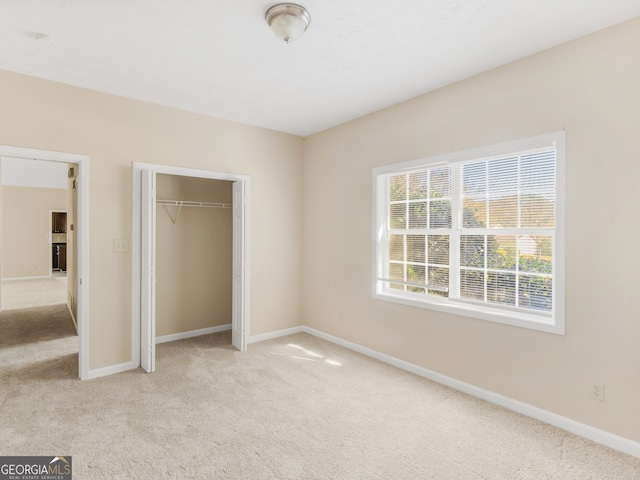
x=479 y=230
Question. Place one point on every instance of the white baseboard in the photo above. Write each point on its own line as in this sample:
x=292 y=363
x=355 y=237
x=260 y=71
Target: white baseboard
x=192 y=333
x=276 y=334
x=119 y=368
x=586 y=431
x=73 y=319
x=15 y=279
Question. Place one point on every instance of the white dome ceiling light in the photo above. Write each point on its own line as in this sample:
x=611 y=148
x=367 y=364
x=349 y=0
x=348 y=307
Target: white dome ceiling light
x=288 y=20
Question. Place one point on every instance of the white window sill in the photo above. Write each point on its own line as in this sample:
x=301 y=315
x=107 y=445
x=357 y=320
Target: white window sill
x=542 y=323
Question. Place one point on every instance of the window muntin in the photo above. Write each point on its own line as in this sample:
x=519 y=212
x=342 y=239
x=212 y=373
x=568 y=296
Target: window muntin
x=476 y=236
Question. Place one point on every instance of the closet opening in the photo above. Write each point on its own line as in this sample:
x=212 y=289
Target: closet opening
x=194 y=256
x=190 y=257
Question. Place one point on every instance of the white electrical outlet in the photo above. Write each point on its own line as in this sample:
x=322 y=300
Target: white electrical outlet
x=597 y=391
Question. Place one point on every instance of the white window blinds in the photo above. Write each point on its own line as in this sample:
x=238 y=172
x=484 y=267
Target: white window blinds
x=507 y=232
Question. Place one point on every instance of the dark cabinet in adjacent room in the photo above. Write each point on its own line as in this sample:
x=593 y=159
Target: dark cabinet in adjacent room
x=59 y=256
x=59 y=241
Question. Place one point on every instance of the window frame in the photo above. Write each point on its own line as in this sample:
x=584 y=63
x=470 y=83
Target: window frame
x=553 y=322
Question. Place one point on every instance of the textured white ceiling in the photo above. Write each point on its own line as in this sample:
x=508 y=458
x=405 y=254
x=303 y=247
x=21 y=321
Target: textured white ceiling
x=219 y=58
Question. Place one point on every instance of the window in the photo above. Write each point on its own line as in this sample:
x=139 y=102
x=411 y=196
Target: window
x=476 y=233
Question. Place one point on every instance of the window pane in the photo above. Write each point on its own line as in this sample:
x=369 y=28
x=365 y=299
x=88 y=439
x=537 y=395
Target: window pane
x=536 y=253
x=474 y=214
x=416 y=274
x=535 y=292
x=537 y=212
x=538 y=173
x=396 y=272
x=474 y=180
x=440 y=214
x=503 y=212
x=474 y=195
x=472 y=251
x=439 y=276
x=415 y=248
x=439 y=249
x=398 y=215
x=472 y=284
x=396 y=247
x=418 y=185
x=501 y=288
x=501 y=252
x=440 y=183
x=398 y=188
x=503 y=177
x=418 y=215
x=503 y=192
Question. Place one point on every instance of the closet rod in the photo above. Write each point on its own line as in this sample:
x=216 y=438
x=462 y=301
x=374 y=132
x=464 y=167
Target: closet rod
x=185 y=203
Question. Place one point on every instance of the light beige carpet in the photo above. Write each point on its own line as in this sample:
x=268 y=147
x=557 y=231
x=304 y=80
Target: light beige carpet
x=292 y=408
x=38 y=292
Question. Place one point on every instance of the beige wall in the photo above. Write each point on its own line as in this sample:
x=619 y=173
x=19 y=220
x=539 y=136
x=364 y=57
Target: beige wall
x=193 y=256
x=114 y=132
x=590 y=88
x=26 y=238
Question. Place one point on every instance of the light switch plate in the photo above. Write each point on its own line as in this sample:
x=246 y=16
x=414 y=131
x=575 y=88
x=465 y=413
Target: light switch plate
x=120 y=245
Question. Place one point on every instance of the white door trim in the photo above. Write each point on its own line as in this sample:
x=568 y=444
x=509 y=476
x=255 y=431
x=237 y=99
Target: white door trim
x=147 y=271
x=82 y=233
x=241 y=243
x=240 y=303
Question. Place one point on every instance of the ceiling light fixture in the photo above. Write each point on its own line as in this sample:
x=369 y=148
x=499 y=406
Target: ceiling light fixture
x=288 y=20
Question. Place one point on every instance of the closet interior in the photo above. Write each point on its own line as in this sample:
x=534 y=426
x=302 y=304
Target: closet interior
x=194 y=247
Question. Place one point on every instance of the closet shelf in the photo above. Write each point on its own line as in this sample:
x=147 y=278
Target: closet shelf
x=185 y=203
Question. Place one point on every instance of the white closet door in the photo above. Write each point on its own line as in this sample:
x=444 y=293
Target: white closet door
x=148 y=272
x=238 y=332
